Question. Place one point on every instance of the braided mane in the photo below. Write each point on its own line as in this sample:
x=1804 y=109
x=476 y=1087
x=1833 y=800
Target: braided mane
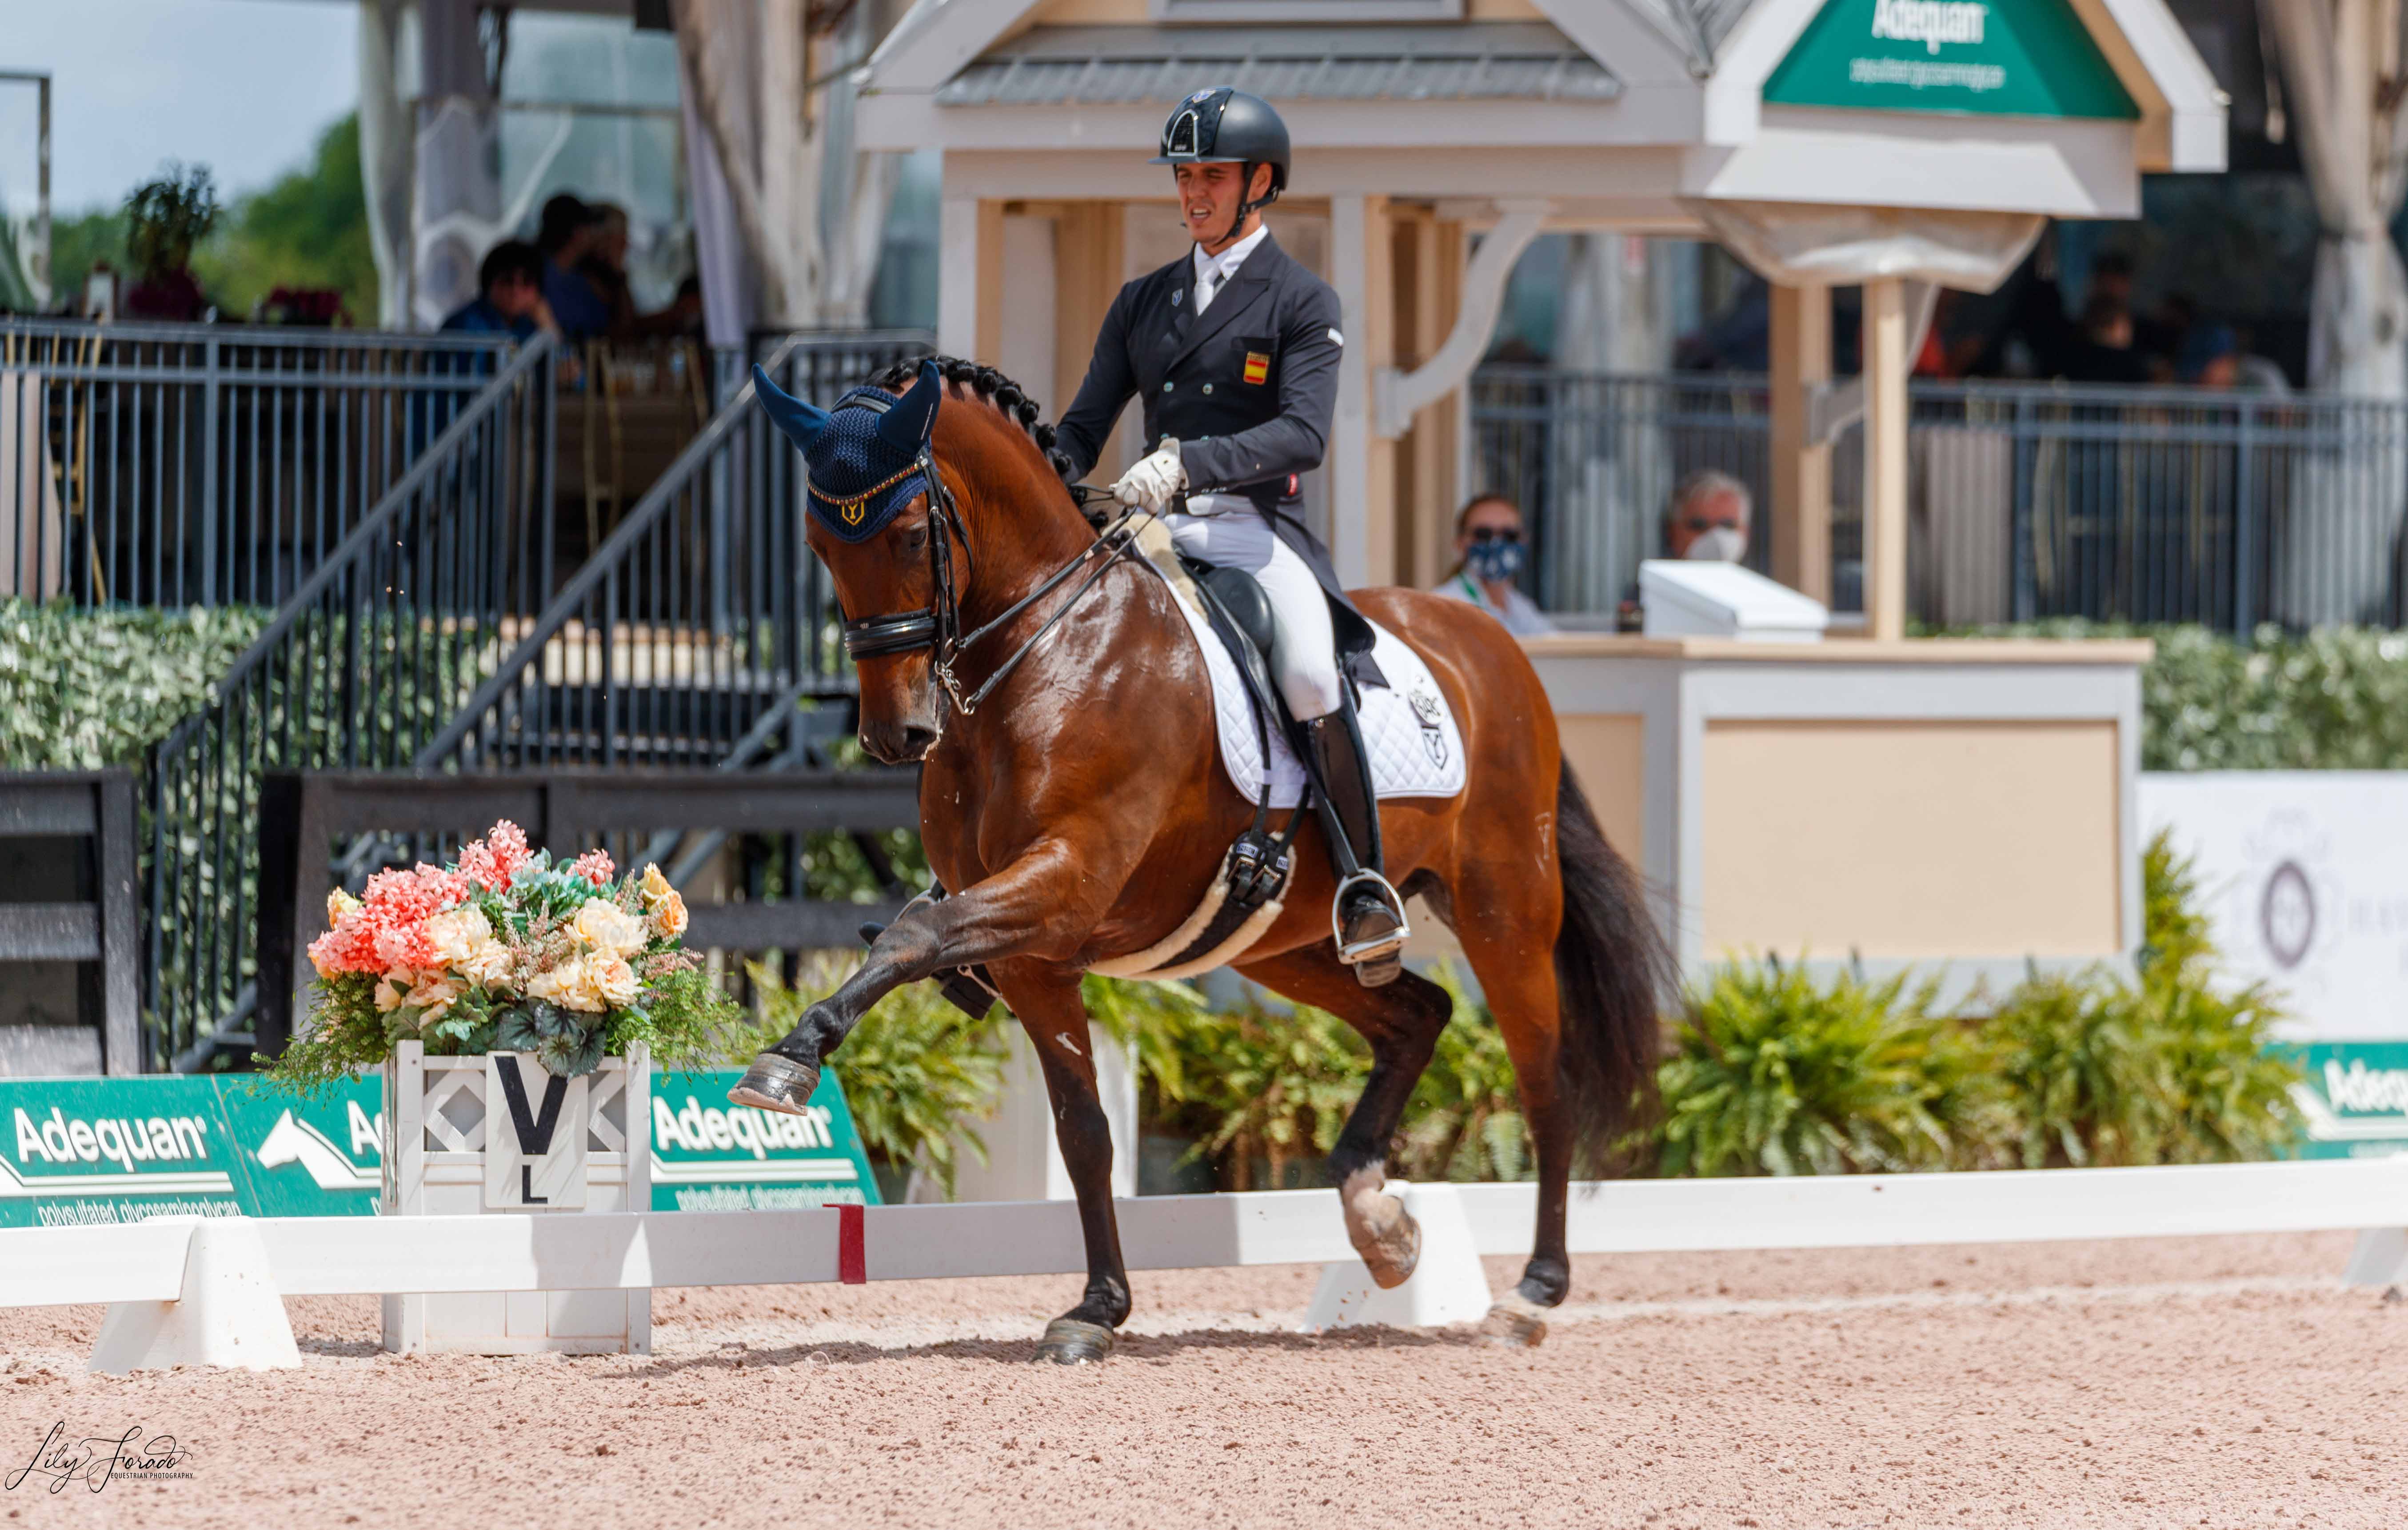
x=991 y=387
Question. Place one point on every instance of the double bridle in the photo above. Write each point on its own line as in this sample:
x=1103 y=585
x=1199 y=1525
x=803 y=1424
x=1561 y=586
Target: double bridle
x=939 y=625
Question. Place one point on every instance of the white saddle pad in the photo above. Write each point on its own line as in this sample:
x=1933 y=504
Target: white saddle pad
x=1407 y=729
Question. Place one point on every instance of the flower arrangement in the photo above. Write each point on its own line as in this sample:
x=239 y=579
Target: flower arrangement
x=505 y=950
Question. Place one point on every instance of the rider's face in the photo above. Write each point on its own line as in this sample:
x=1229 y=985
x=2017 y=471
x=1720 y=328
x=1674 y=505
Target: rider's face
x=1209 y=195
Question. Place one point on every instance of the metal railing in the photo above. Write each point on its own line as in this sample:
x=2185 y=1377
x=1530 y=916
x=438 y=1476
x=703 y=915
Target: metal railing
x=172 y=465
x=2024 y=501
x=373 y=654
x=691 y=633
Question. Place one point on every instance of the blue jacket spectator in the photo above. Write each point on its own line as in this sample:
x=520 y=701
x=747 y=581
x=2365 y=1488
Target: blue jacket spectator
x=509 y=294
x=569 y=231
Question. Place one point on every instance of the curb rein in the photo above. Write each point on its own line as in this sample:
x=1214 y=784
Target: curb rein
x=937 y=624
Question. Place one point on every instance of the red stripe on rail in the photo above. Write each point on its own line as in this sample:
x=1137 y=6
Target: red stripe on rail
x=852 y=1247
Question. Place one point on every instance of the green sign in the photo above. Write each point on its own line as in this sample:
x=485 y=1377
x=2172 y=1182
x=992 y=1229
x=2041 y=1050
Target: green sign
x=708 y=1155
x=2355 y=1098
x=81 y=1151
x=2009 y=58
x=77 y=1150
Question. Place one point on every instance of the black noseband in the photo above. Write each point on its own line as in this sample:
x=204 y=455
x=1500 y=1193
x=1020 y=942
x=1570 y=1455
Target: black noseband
x=877 y=636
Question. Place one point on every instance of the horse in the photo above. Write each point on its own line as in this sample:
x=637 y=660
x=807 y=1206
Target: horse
x=1071 y=799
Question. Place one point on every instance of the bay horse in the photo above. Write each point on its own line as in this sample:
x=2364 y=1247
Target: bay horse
x=1078 y=813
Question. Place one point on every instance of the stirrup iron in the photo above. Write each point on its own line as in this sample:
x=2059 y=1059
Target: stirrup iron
x=1379 y=947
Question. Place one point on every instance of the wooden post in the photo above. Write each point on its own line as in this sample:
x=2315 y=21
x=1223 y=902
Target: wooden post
x=1362 y=526
x=1886 y=362
x=1802 y=468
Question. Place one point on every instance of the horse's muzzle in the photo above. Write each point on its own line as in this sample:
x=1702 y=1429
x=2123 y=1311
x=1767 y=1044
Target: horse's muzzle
x=897 y=743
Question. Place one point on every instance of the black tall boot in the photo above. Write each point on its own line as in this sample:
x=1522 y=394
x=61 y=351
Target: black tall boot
x=1369 y=920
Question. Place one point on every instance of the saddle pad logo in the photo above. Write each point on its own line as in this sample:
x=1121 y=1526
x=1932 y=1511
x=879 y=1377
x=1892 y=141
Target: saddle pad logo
x=1427 y=712
x=1258 y=367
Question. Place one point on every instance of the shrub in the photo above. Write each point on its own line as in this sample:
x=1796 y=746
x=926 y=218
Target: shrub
x=82 y=689
x=2171 y=1069
x=1774 y=1073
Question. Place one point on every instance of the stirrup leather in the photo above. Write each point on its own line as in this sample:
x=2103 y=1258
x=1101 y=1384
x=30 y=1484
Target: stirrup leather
x=1381 y=947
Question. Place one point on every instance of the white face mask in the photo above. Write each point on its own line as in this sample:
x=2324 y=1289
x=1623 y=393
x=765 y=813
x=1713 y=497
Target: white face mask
x=1719 y=545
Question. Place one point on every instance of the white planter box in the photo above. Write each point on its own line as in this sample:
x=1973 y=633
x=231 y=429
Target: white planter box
x=436 y=1165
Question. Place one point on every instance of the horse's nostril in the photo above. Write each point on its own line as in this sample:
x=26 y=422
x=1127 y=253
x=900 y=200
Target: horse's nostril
x=918 y=741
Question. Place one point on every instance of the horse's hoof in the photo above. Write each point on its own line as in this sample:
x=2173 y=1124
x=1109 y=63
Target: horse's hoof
x=1514 y=1322
x=1072 y=1341
x=776 y=1082
x=1384 y=1235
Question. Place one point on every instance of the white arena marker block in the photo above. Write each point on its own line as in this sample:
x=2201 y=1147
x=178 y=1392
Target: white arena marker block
x=230 y=1315
x=2380 y=1258
x=1448 y=1285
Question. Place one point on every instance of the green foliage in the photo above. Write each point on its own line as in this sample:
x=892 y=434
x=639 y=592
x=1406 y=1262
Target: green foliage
x=349 y=1039
x=79 y=244
x=2172 y=1069
x=1262 y=1088
x=1772 y=1073
x=166 y=217
x=917 y=1072
x=309 y=230
x=688 y=1022
x=79 y=690
x=2332 y=699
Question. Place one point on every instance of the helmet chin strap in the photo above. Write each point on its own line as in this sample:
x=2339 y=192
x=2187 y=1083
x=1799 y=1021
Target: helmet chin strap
x=1246 y=209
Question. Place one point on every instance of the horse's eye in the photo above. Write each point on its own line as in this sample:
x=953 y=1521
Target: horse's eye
x=915 y=538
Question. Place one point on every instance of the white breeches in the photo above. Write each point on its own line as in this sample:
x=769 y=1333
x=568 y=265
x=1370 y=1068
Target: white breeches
x=1304 y=646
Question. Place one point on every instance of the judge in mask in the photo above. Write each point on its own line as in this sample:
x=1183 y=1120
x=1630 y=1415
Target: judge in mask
x=1488 y=553
x=1707 y=520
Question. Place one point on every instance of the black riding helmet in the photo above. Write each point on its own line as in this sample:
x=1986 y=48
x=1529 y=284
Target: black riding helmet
x=1224 y=125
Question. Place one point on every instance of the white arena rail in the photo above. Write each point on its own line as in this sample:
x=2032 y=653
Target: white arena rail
x=152 y=1272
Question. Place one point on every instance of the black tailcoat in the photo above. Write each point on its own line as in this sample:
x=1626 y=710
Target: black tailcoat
x=1247 y=390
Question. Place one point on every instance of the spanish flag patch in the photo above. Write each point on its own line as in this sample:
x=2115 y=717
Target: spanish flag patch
x=1258 y=367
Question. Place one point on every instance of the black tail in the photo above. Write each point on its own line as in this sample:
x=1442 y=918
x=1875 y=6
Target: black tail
x=1612 y=968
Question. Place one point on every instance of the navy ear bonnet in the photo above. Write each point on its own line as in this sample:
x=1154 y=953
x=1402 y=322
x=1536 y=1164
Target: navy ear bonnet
x=868 y=457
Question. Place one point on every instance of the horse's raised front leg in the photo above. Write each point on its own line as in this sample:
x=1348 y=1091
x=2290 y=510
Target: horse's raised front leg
x=1055 y=1019
x=1028 y=904
x=1402 y=1020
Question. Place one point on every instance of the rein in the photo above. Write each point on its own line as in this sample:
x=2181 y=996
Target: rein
x=937 y=624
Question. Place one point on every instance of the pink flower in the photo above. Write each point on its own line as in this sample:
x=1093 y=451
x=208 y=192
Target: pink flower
x=396 y=908
x=594 y=866
x=491 y=862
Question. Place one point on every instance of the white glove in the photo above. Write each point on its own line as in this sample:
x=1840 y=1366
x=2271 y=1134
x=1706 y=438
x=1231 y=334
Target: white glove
x=1151 y=483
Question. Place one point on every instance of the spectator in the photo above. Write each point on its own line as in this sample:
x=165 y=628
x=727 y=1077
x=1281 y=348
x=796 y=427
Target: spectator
x=2104 y=353
x=569 y=232
x=509 y=294
x=1488 y=558
x=605 y=268
x=1707 y=518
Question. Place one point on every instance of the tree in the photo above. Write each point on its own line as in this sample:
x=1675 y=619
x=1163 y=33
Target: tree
x=309 y=229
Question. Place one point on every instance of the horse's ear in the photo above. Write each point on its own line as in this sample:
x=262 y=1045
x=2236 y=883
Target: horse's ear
x=906 y=427
x=801 y=422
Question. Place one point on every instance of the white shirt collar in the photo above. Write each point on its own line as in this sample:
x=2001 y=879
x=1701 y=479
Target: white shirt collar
x=1220 y=267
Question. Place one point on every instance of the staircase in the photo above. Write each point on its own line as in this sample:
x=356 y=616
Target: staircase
x=425 y=642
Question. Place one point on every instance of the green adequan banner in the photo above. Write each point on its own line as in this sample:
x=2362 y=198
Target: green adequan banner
x=2355 y=1098
x=708 y=1155
x=82 y=1151
x=2007 y=58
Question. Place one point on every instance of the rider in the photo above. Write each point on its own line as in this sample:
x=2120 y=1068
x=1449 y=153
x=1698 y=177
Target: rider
x=1234 y=350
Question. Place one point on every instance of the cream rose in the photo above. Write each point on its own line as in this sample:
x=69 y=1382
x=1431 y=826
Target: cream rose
x=571 y=985
x=340 y=903
x=456 y=935
x=389 y=991
x=613 y=979
x=433 y=994
x=487 y=967
x=603 y=925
